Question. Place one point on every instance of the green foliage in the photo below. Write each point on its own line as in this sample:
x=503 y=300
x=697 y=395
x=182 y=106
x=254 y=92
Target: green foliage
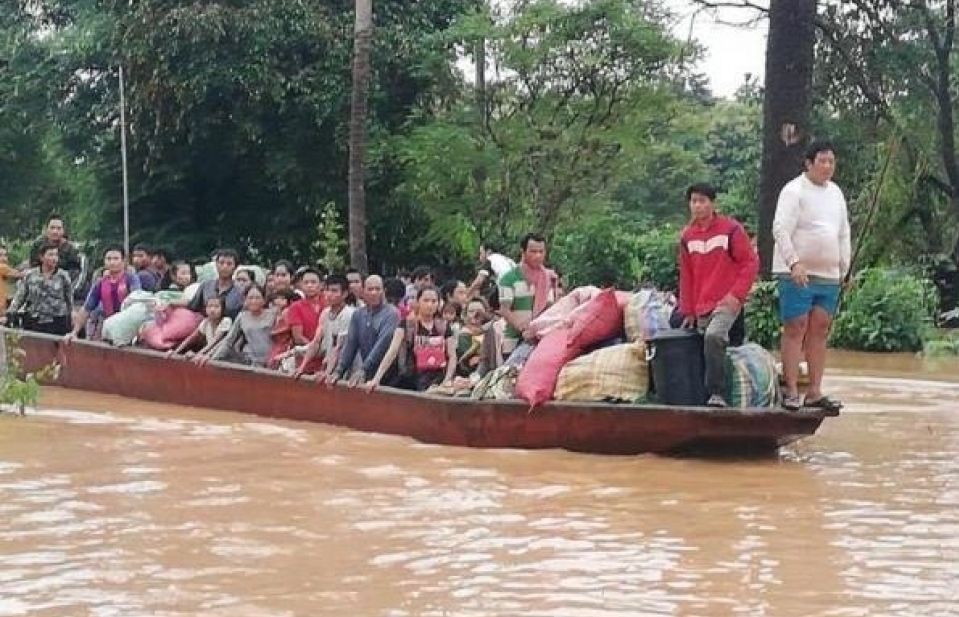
x=658 y=252
x=763 y=325
x=237 y=114
x=886 y=310
x=331 y=241
x=598 y=251
x=18 y=390
x=942 y=344
x=583 y=92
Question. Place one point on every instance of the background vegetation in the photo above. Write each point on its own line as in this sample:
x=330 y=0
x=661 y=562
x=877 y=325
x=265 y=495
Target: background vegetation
x=586 y=123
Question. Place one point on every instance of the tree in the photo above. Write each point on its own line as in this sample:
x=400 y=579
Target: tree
x=786 y=107
x=362 y=41
x=238 y=113
x=582 y=93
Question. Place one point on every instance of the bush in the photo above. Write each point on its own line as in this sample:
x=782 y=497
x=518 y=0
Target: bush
x=944 y=343
x=19 y=391
x=886 y=310
x=659 y=257
x=762 y=315
x=596 y=251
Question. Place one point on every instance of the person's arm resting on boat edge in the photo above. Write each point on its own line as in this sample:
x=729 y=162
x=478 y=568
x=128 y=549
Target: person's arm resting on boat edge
x=352 y=346
x=391 y=321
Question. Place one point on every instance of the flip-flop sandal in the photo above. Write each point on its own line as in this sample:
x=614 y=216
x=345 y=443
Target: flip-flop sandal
x=792 y=403
x=824 y=402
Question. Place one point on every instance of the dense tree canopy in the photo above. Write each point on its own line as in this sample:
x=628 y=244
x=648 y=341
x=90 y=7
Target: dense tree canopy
x=587 y=122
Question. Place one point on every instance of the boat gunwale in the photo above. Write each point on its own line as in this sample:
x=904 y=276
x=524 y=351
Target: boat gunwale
x=512 y=404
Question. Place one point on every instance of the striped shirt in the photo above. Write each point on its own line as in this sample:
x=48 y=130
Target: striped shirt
x=518 y=296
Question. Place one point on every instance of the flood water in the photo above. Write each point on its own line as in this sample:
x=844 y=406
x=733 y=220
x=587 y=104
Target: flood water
x=111 y=507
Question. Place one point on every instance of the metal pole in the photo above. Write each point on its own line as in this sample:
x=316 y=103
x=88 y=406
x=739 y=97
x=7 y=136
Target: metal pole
x=123 y=155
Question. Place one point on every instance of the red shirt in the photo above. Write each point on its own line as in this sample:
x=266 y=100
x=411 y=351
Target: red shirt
x=714 y=261
x=306 y=314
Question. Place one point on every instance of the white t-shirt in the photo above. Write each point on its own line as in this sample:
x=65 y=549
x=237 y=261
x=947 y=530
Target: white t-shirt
x=812 y=227
x=334 y=327
x=499 y=264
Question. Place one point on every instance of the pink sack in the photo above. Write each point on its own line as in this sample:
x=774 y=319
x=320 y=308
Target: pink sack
x=151 y=336
x=556 y=315
x=538 y=377
x=171 y=327
x=598 y=320
x=180 y=322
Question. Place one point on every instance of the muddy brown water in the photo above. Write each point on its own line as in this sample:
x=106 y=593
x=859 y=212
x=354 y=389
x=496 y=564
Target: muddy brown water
x=113 y=507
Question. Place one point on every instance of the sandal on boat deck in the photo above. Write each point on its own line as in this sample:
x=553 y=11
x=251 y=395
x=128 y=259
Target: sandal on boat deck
x=823 y=402
x=792 y=403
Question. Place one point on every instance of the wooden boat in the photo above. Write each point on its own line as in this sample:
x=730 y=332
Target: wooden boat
x=581 y=427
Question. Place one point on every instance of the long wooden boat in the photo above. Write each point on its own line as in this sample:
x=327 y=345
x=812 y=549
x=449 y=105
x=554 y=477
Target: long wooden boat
x=582 y=427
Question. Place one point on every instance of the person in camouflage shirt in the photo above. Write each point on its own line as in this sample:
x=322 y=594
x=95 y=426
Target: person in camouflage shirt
x=45 y=298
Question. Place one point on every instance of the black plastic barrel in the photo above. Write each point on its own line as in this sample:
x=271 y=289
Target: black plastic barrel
x=677 y=367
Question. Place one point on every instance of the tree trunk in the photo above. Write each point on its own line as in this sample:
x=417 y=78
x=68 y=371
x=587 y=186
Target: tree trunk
x=359 y=107
x=786 y=107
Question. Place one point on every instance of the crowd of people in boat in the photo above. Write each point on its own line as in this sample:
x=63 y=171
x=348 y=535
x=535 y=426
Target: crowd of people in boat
x=415 y=332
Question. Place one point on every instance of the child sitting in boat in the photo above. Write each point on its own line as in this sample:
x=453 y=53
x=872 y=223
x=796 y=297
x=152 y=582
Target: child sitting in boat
x=211 y=331
x=249 y=340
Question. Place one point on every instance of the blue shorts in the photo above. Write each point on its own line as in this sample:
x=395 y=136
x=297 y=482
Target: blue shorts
x=796 y=301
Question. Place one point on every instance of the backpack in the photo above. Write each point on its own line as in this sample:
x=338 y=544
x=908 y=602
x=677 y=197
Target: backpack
x=414 y=358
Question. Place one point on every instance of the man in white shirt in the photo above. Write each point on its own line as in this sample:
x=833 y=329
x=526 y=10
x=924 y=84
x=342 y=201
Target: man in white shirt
x=810 y=261
x=493 y=266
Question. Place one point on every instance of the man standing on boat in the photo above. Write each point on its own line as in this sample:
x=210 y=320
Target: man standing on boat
x=811 y=259
x=717 y=268
x=55 y=234
x=525 y=291
x=493 y=266
x=371 y=332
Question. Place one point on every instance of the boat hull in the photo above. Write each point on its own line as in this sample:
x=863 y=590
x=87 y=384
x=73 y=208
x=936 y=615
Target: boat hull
x=586 y=427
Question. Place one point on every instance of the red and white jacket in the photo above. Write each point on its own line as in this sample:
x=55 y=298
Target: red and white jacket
x=714 y=261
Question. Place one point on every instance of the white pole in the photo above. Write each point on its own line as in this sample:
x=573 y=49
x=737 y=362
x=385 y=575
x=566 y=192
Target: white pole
x=123 y=155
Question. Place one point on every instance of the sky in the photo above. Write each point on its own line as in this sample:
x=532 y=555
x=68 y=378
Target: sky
x=731 y=52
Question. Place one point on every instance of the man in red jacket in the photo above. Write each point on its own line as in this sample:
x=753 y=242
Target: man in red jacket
x=717 y=268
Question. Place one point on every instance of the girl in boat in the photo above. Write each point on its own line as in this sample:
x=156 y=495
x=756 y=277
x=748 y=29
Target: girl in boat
x=453 y=315
x=249 y=339
x=427 y=343
x=243 y=278
x=469 y=342
x=181 y=276
x=211 y=330
x=283 y=276
x=282 y=333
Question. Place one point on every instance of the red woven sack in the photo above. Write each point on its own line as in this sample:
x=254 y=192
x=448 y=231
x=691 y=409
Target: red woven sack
x=598 y=320
x=537 y=379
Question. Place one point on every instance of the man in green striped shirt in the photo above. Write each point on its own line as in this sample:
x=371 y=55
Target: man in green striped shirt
x=525 y=292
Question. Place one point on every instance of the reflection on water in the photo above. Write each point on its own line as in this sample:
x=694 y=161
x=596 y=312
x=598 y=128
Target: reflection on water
x=153 y=510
